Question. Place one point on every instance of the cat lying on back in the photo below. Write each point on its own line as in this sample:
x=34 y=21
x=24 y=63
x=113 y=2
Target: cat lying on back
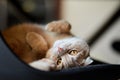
x=49 y=48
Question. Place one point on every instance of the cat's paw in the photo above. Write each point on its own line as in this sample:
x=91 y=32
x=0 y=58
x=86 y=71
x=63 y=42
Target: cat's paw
x=44 y=64
x=60 y=26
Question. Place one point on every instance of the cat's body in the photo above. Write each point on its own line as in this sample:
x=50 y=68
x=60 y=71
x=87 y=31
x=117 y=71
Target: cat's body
x=17 y=40
x=32 y=42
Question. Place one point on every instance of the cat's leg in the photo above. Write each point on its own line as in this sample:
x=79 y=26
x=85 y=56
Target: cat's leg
x=44 y=64
x=36 y=42
x=60 y=26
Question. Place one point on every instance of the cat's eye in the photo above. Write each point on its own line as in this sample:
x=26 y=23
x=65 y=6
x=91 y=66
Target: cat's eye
x=59 y=61
x=73 y=52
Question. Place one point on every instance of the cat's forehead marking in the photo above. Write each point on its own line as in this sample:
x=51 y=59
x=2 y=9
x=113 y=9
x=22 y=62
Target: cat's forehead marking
x=70 y=42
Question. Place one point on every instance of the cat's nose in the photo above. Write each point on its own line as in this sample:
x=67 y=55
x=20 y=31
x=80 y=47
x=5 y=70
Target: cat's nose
x=60 y=49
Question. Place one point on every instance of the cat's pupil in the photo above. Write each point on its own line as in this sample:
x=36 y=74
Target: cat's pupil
x=59 y=61
x=73 y=52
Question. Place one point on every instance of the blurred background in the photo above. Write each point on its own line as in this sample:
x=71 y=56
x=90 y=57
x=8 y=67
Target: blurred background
x=96 y=21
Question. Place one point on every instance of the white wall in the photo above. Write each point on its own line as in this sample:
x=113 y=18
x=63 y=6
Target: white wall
x=87 y=16
x=102 y=50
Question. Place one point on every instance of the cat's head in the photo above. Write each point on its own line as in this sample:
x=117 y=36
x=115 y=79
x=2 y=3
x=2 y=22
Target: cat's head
x=69 y=52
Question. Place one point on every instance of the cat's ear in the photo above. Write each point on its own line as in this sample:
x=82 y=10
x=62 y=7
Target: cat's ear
x=36 y=42
x=60 y=26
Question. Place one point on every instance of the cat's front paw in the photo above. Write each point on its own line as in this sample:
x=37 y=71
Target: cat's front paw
x=60 y=26
x=44 y=64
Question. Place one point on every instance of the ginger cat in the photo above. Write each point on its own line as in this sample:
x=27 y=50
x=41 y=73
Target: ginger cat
x=45 y=48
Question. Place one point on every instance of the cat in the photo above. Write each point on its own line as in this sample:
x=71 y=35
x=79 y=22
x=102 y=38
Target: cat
x=43 y=48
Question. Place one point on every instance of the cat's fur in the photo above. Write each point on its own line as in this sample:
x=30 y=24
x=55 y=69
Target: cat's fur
x=32 y=42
